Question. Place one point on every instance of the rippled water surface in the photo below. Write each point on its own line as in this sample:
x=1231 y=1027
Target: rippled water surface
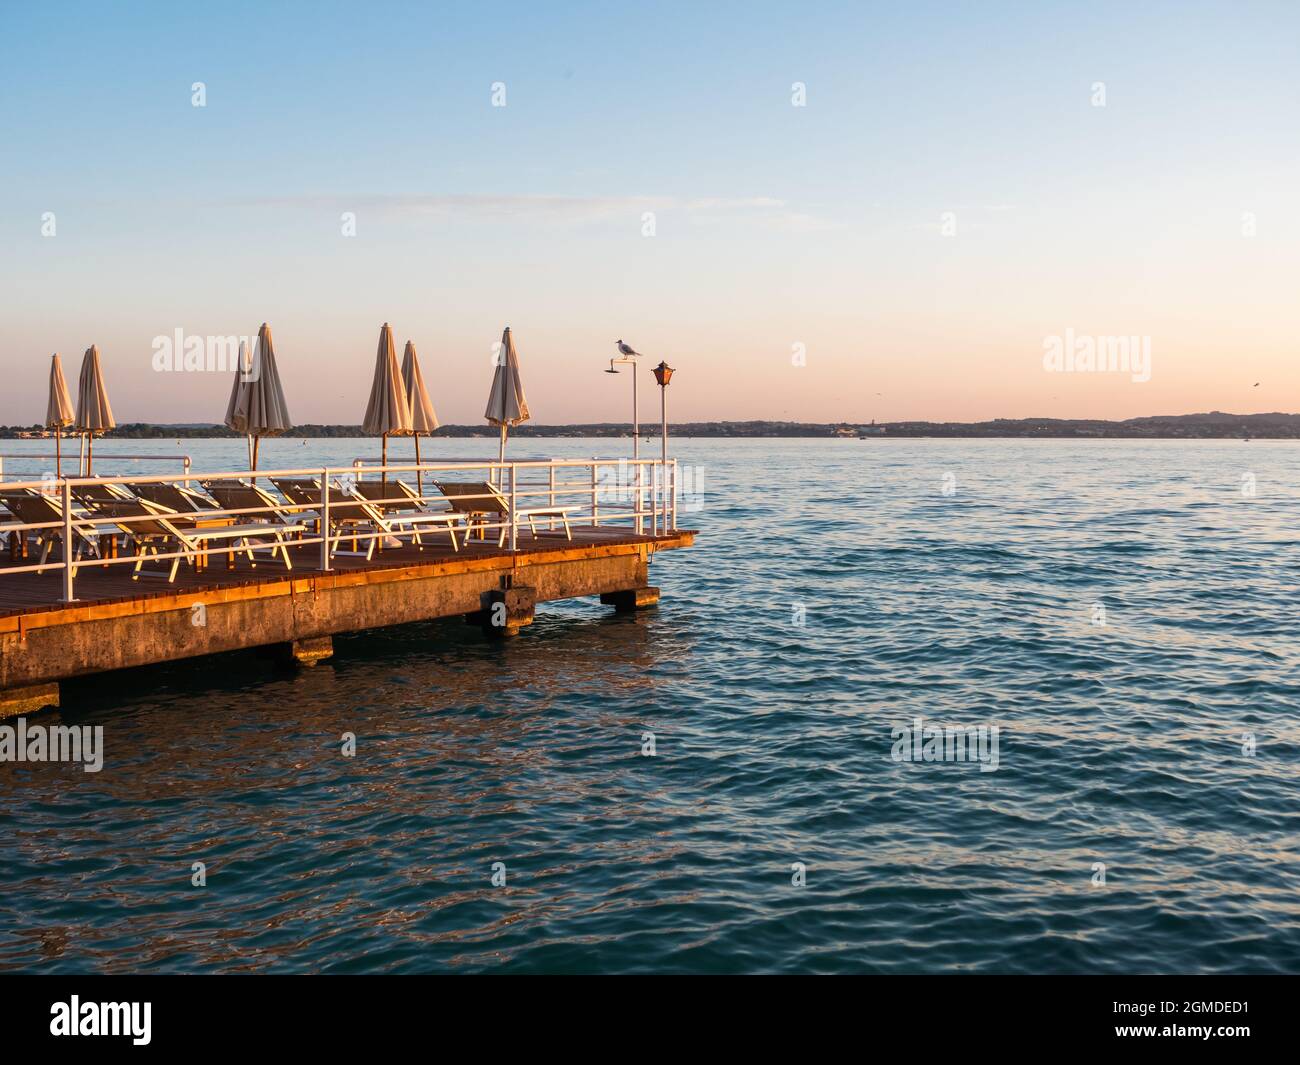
x=1121 y=743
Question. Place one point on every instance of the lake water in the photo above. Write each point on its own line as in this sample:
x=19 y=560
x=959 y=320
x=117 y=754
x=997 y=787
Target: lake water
x=1124 y=613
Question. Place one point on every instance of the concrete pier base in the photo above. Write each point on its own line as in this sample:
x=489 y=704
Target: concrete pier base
x=631 y=599
x=17 y=701
x=125 y=623
x=305 y=652
x=505 y=611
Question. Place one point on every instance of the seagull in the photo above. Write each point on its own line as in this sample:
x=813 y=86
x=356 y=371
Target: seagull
x=624 y=349
x=1256 y=385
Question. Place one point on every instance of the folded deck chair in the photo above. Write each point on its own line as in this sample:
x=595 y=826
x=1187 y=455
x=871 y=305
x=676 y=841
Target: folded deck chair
x=32 y=508
x=176 y=497
x=477 y=499
x=149 y=526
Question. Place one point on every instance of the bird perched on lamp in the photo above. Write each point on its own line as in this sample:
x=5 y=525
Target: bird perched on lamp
x=624 y=349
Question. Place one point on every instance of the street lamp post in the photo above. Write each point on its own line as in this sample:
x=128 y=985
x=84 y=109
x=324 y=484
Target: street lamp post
x=663 y=374
x=630 y=360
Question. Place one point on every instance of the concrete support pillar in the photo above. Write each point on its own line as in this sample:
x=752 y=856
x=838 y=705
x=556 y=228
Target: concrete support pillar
x=631 y=599
x=304 y=652
x=505 y=611
x=18 y=701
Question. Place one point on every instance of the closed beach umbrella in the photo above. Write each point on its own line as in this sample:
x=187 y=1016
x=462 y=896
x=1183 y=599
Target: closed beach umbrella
x=506 y=403
x=236 y=418
x=261 y=403
x=389 y=409
x=58 y=413
x=423 y=419
x=94 y=415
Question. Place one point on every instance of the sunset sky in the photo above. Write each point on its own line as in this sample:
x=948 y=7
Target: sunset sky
x=1169 y=213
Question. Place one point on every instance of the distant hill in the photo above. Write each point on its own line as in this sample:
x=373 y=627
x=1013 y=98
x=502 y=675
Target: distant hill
x=1213 y=425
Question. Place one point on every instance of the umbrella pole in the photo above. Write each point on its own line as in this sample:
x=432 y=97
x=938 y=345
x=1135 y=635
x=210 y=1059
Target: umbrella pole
x=419 y=474
x=81 y=453
x=58 y=451
x=90 y=452
x=501 y=455
x=257 y=440
x=383 y=474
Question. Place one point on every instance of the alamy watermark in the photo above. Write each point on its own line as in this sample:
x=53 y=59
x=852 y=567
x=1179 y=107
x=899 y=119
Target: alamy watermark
x=1082 y=353
x=182 y=353
x=21 y=742
x=78 y=1018
x=617 y=484
x=919 y=742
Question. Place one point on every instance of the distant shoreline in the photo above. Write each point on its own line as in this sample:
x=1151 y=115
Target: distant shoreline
x=1215 y=425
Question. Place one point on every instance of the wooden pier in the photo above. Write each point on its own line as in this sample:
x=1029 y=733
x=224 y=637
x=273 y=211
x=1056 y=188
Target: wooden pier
x=117 y=622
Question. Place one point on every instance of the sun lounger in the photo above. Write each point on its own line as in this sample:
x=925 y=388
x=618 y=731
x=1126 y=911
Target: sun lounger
x=32 y=508
x=478 y=499
x=91 y=496
x=153 y=530
x=237 y=495
x=394 y=495
x=351 y=514
x=173 y=496
x=399 y=522
x=346 y=514
x=305 y=492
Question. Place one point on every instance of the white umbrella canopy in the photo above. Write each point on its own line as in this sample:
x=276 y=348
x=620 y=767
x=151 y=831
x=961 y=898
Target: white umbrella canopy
x=94 y=414
x=389 y=409
x=58 y=412
x=260 y=404
x=423 y=419
x=506 y=403
x=236 y=417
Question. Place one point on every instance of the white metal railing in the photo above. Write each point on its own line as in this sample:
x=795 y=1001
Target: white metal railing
x=20 y=456
x=118 y=520
x=642 y=490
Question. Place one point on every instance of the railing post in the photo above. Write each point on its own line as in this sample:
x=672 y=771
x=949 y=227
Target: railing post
x=656 y=495
x=672 y=527
x=68 y=596
x=661 y=498
x=649 y=502
x=595 y=505
x=550 y=523
x=661 y=501
x=324 y=528
x=514 y=502
x=640 y=498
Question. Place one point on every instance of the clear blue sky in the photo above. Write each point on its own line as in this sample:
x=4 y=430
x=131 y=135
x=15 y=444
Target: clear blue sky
x=774 y=225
